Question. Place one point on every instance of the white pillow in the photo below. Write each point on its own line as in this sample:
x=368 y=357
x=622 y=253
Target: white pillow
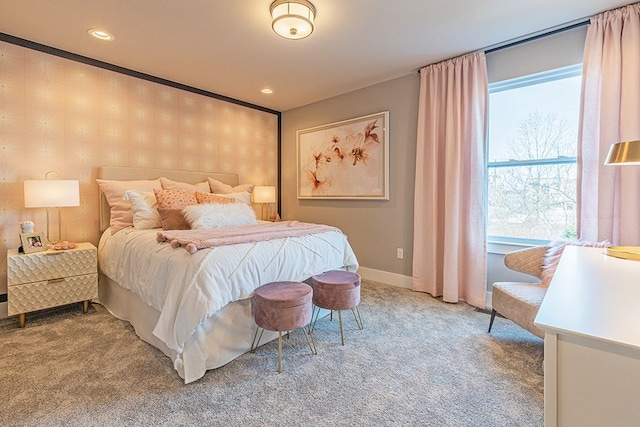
x=145 y=209
x=242 y=197
x=219 y=215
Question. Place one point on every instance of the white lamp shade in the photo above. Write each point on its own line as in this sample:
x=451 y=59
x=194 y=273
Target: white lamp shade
x=264 y=194
x=51 y=193
x=292 y=19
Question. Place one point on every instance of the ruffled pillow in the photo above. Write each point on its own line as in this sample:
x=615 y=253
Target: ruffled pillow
x=222 y=188
x=175 y=199
x=144 y=208
x=219 y=215
x=552 y=257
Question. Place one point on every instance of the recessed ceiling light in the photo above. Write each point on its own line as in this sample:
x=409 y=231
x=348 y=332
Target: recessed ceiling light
x=101 y=34
x=266 y=90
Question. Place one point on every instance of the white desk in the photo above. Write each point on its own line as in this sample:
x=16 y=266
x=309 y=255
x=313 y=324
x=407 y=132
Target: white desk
x=591 y=319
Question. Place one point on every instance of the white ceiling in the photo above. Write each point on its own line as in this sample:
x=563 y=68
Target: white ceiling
x=228 y=47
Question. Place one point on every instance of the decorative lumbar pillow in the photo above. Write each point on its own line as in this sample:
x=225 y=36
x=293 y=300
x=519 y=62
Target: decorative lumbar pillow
x=219 y=215
x=552 y=257
x=121 y=214
x=213 y=198
x=172 y=219
x=144 y=208
x=175 y=199
x=242 y=197
x=222 y=188
x=168 y=184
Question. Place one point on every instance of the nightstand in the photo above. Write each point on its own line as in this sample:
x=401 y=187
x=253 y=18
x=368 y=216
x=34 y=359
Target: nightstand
x=51 y=278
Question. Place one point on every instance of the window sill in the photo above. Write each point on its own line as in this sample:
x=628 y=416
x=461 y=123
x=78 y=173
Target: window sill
x=502 y=247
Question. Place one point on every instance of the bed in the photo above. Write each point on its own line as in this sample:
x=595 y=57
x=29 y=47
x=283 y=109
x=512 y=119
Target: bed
x=196 y=307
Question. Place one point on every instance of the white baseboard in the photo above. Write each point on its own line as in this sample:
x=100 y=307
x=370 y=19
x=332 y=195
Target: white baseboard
x=393 y=279
x=401 y=281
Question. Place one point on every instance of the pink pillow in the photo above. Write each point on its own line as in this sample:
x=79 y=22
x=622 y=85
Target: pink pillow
x=121 y=214
x=175 y=199
x=552 y=257
x=172 y=219
x=168 y=184
x=222 y=188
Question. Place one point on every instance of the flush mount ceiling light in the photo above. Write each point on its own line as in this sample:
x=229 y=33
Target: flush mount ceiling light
x=100 y=34
x=292 y=19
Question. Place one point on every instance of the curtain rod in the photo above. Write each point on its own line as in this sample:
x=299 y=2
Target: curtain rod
x=533 y=37
x=527 y=38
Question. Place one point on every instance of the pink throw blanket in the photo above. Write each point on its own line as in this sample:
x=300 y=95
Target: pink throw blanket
x=193 y=240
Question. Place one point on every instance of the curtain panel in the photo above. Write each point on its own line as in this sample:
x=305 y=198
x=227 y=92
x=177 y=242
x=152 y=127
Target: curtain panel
x=450 y=250
x=608 y=196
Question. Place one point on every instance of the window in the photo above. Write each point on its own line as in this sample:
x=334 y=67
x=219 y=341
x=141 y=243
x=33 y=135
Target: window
x=533 y=123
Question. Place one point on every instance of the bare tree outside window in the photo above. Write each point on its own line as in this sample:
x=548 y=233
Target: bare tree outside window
x=533 y=194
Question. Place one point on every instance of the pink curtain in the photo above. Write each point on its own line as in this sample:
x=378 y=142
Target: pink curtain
x=609 y=196
x=449 y=241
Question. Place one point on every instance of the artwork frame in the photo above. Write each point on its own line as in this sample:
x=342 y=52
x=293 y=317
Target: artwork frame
x=33 y=242
x=346 y=160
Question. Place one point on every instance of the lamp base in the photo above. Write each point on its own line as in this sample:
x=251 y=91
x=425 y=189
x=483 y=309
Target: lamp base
x=59 y=237
x=624 y=252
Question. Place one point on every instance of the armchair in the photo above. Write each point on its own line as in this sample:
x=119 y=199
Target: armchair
x=520 y=301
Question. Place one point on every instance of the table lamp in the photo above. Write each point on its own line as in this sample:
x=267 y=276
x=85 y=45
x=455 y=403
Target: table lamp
x=264 y=195
x=624 y=153
x=51 y=193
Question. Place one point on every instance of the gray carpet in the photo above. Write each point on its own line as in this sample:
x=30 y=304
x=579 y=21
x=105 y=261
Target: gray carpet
x=418 y=362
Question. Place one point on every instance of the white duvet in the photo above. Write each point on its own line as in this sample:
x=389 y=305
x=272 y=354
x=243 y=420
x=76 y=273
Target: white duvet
x=187 y=289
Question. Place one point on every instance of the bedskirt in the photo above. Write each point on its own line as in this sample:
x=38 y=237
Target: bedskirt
x=220 y=339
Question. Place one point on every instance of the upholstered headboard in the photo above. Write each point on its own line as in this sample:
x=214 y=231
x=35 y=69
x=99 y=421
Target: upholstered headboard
x=128 y=174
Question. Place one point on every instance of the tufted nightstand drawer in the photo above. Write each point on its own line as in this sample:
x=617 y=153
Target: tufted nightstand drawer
x=51 y=293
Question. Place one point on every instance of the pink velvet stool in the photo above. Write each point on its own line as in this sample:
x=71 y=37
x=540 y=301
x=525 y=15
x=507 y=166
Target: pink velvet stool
x=336 y=290
x=283 y=306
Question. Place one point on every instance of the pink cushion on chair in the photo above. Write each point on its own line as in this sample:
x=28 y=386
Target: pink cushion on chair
x=283 y=306
x=336 y=290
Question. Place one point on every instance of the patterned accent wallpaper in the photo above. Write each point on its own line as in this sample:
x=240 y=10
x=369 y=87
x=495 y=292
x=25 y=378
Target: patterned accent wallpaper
x=60 y=115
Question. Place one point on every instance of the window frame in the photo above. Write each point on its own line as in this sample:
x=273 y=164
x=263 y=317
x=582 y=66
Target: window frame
x=515 y=83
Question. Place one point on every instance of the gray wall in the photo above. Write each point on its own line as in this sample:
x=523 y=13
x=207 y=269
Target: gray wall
x=375 y=228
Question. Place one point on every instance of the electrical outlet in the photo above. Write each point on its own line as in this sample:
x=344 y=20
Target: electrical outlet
x=400 y=253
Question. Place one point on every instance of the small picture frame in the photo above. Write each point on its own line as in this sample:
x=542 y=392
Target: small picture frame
x=32 y=242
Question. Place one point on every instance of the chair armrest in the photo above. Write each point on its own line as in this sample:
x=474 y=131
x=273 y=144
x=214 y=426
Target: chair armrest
x=528 y=261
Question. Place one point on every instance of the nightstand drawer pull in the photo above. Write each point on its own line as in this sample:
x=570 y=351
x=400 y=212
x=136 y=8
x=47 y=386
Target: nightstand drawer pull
x=56 y=280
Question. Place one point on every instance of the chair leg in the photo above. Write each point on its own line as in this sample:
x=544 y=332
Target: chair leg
x=493 y=316
x=279 y=351
x=341 y=330
x=255 y=344
x=356 y=315
x=311 y=341
x=312 y=324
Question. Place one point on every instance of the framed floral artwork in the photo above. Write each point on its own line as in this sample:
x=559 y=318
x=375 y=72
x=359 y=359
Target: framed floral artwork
x=345 y=160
